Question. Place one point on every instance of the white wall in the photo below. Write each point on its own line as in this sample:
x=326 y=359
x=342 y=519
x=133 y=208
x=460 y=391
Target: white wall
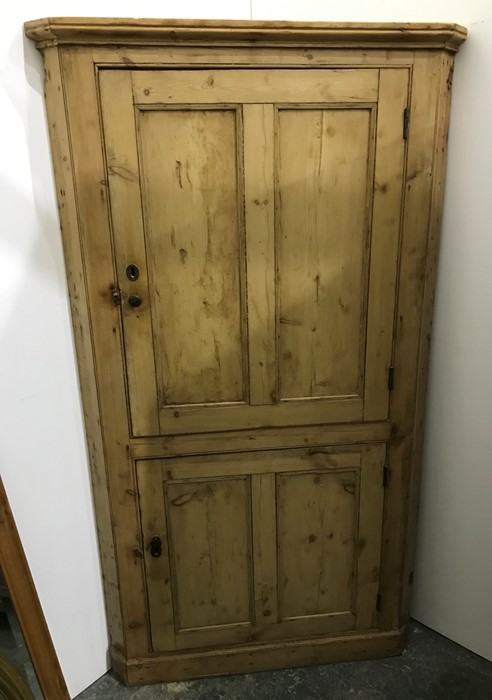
x=454 y=558
x=43 y=458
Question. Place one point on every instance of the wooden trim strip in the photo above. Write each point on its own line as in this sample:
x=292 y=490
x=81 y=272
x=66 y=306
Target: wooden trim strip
x=259 y=86
x=436 y=205
x=258 y=657
x=262 y=439
x=421 y=169
x=92 y=30
x=242 y=57
x=330 y=623
x=61 y=148
x=27 y=607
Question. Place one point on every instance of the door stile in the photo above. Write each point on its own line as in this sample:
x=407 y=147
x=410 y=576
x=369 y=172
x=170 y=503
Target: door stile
x=260 y=247
x=126 y=214
x=386 y=216
x=264 y=545
x=157 y=568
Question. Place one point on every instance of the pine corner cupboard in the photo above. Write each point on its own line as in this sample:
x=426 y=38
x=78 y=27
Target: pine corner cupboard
x=250 y=215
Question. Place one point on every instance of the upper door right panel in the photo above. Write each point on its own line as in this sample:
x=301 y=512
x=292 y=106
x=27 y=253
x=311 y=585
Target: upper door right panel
x=339 y=171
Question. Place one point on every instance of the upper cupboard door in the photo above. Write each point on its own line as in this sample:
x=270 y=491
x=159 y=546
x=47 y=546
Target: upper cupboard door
x=256 y=219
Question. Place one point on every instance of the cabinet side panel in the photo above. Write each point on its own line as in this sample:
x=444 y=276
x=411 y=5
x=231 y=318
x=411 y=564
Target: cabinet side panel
x=412 y=271
x=437 y=197
x=104 y=321
x=66 y=198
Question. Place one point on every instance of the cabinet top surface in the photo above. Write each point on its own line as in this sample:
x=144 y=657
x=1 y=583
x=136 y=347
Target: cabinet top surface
x=127 y=31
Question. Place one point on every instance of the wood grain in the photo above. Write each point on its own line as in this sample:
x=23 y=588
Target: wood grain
x=263 y=462
x=257 y=657
x=326 y=55
x=316 y=513
x=386 y=223
x=74 y=251
x=107 y=348
x=128 y=229
x=412 y=264
x=157 y=569
x=193 y=246
x=261 y=439
x=264 y=544
x=435 y=215
x=261 y=86
x=354 y=35
x=260 y=249
x=210 y=541
x=323 y=174
x=370 y=526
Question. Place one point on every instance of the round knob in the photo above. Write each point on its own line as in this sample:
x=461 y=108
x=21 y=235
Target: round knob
x=134 y=300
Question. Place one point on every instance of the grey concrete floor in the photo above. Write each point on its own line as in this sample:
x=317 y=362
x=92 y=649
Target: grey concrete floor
x=431 y=668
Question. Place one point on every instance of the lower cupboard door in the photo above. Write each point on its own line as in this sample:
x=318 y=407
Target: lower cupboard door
x=261 y=546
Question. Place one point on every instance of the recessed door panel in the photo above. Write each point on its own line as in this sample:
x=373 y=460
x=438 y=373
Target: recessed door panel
x=325 y=171
x=190 y=180
x=316 y=524
x=209 y=530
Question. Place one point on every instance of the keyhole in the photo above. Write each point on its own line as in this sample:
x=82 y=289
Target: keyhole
x=132 y=272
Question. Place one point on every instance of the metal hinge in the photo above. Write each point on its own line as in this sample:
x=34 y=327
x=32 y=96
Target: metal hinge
x=379 y=599
x=391 y=377
x=406 y=122
x=116 y=296
x=450 y=77
x=386 y=476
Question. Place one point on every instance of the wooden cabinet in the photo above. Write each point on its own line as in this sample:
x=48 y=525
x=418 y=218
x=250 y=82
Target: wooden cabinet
x=250 y=214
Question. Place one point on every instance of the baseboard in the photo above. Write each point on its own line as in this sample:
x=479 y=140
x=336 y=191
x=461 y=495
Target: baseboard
x=247 y=658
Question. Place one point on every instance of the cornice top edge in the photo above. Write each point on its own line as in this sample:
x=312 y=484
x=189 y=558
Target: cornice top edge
x=54 y=31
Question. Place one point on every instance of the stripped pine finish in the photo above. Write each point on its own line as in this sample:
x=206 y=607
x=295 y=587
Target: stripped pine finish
x=209 y=534
x=123 y=177
x=250 y=216
x=261 y=546
x=259 y=86
x=259 y=204
x=316 y=514
x=193 y=243
x=276 y=313
x=386 y=215
x=324 y=168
